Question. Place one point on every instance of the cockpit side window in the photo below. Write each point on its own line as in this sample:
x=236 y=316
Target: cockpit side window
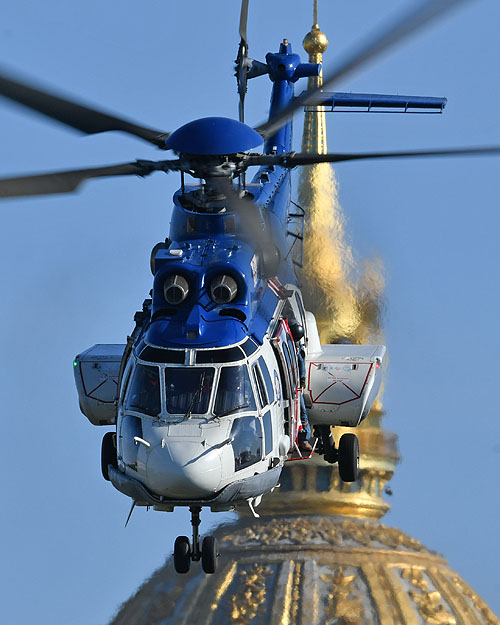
x=246 y=433
x=267 y=379
x=259 y=383
x=234 y=392
x=188 y=389
x=144 y=391
x=125 y=382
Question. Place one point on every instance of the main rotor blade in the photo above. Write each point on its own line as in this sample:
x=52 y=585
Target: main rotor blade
x=244 y=20
x=242 y=60
x=70 y=180
x=71 y=113
x=403 y=27
x=294 y=160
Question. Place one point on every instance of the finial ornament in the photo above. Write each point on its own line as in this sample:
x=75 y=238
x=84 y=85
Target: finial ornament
x=315 y=42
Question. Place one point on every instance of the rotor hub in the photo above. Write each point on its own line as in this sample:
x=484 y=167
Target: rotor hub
x=213 y=135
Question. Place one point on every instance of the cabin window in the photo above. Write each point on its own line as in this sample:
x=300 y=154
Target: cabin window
x=267 y=379
x=268 y=432
x=286 y=353
x=291 y=358
x=247 y=442
x=234 y=392
x=188 y=389
x=144 y=392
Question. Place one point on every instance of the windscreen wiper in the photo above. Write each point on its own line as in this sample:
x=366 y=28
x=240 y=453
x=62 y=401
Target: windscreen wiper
x=233 y=409
x=196 y=396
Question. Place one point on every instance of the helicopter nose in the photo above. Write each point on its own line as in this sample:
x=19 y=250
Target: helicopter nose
x=184 y=470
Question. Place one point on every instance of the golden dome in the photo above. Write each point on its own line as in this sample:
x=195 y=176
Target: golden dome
x=310 y=570
x=315 y=42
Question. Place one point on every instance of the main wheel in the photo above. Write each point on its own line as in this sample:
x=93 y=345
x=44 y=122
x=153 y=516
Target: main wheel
x=108 y=454
x=182 y=554
x=209 y=553
x=348 y=457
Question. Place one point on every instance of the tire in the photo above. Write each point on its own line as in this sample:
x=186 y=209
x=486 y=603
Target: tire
x=348 y=457
x=108 y=454
x=209 y=554
x=182 y=554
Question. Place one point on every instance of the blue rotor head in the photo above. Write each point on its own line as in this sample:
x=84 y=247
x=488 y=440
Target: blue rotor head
x=213 y=136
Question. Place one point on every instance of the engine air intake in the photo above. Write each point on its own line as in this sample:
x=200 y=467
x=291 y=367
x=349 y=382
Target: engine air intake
x=175 y=289
x=223 y=289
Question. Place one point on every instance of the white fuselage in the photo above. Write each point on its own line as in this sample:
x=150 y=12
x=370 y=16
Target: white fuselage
x=216 y=423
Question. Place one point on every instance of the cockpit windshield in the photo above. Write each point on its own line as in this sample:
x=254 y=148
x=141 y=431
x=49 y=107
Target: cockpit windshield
x=188 y=389
x=144 y=391
x=234 y=393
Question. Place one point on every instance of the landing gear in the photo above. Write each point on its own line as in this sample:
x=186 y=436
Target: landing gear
x=108 y=454
x=326 y=443
x=184 y=553
x=347 y=454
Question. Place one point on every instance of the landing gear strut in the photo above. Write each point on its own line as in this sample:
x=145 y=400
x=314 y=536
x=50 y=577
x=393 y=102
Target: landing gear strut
x=185 y=552
x=347 y=454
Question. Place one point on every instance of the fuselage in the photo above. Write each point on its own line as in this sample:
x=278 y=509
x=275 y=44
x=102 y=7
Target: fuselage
x=208 y=387
x=193 y=421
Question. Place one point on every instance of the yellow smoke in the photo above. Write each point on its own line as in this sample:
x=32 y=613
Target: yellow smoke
x=345 y=296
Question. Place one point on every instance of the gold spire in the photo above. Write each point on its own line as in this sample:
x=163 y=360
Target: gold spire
x=346 y=301
x=314 y=137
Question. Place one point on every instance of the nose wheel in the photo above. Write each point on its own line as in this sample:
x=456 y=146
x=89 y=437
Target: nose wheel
x=182 y=554
x=186 y=552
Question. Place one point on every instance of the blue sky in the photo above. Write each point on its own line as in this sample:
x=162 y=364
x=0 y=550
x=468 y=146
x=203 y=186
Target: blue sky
x=75 y=268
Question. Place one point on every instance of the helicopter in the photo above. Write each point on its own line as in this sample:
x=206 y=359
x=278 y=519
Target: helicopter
x=223 y=304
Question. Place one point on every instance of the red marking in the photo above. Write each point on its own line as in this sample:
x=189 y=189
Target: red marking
x=277 y=288
x=352 y=391
x=89 y=393
x=95 y=389
x=322 y=392
x=333 y=403
x=300 y=458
